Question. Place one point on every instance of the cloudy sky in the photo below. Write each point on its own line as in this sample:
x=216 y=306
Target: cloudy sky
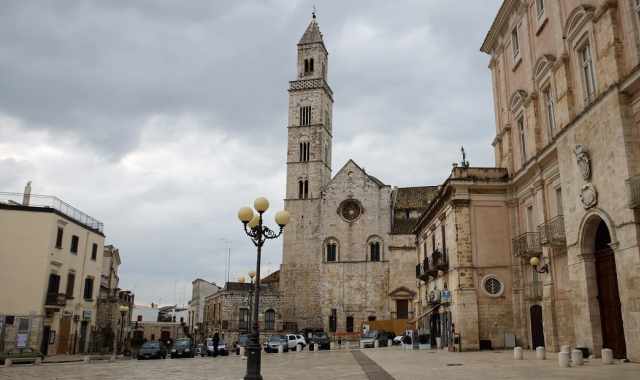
x=161 y=118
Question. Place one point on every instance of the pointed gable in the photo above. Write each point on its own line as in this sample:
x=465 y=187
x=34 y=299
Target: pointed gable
x=312 y=35
x=351 y=165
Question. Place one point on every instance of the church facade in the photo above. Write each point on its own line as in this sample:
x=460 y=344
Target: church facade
x=348 y=252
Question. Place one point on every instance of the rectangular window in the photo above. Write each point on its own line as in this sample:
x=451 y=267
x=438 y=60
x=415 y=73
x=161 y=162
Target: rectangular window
x=244 y=319
x=331 y=252
x=333 y=319
x=23 y=325
x=54 y=284
x=88 y=288
x=540 y=7
x=349 y=324
x=71 y=280
x=588 y=75
x=550 y=109
x=59 y=238
x=523 y=138
x=305 y=115
x=515 y=44
x=74 y=244
x=530 y=221
x=559 y=201
x=94 y=252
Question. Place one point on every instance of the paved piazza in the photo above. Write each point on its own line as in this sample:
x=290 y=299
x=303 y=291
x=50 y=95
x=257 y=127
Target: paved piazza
x=374 y=364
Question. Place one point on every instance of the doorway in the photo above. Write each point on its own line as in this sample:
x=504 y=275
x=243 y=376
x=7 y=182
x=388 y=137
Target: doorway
x=44 y=345
x=537 y=328
x=63 y=335
x=83 y=336
x=608 y=295
x=402 y=309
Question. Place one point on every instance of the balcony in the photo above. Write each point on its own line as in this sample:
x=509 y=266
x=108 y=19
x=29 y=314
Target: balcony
x=426 y=269
x=633 y=191
x=533 y=291
x=56 y=299
x=552 y=232
x=527 y=245
x=440 y=260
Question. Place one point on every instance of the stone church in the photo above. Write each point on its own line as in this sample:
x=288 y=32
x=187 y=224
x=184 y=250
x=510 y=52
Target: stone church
x=349 y=253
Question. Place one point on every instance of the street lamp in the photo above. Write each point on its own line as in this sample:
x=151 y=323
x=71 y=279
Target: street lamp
x=535 y=263
x=259 y=234
x=252 y=275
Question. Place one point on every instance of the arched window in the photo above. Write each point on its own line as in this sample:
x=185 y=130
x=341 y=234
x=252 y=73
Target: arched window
x=269 y=319
x=331 y=250
x=306 y=189
x=300 y=189
x=350 y=323
x=304 y=153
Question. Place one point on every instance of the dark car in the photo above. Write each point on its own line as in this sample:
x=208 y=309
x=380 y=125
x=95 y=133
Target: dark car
x=322 y=339
x=152 y=350
x=384 y=337
x=183 y=348
x=275 y=342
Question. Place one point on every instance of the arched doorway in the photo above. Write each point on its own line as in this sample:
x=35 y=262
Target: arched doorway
x=537 y=330
x=608 y=296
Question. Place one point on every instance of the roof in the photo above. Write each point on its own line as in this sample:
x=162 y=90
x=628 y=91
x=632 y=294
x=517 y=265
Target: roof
x=273 y=278
x=505 y=10
x=415 y=197
x=312 y=35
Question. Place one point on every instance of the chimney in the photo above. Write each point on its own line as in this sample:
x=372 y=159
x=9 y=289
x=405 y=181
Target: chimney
x=26 y=197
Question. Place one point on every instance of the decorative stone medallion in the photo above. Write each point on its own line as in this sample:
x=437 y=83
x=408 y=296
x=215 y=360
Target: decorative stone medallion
x=584 y=162
x=350 y=210
x=588 y=196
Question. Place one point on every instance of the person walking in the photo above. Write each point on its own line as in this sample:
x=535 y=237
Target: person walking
x=216 y=340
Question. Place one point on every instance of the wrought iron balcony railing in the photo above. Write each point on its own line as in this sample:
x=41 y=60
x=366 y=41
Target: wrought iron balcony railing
x=552 y=232
x=426 y=269
x=527 y=245
x=633 y=191
x=56 y=299
x=440 y=260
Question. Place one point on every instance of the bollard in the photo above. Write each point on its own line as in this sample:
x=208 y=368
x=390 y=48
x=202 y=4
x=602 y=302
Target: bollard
x=332 y=346
x=389 y=343
x=565 y=348
x=86 y=359
x=517 y=353
x=607 y=356
x=38 y=361
x=361 y=344
x=540 y=355
x=563 y=359
x=576 y=357
x=242 y=351
x=280 y=349
x=112 y=358
x=316 y=347
x=376 y=344
x=298 y=348
x=7 y=362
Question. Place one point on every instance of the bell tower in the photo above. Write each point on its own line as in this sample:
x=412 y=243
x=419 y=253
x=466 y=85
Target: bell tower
x=308 y=171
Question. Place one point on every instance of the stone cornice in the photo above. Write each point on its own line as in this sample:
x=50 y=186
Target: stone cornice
x=502 y=18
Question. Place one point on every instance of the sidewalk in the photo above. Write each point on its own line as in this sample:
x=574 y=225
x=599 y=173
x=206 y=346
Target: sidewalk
x=79 y=358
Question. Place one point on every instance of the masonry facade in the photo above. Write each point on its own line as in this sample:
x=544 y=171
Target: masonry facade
x=349 y=247
x=566 y=77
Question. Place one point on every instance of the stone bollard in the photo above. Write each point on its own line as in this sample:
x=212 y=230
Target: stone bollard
x=361 y=344
x=298 y=348
x=540 y=355
x=112 y=358
x=316 y=347
x=242 y=351
x=563 y=359
x=332 y=346
x=7 y=362
x=517 y=353
x=389 y=343
x=565 y=348
x=376 y=344
x=280 y=349
x=86 y=359
x=38 y=361
x=576 y=357
x=607 y=356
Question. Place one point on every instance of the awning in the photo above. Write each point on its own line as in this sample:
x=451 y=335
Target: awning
x=425 y=314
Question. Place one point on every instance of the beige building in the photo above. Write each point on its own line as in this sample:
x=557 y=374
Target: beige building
x=228 y=312
x=201 y=289
x=566 y=76
x=349 y=251
x=50 y=265
x=464 y=263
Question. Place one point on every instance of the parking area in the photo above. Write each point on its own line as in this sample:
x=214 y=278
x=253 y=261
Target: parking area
x=381 y=363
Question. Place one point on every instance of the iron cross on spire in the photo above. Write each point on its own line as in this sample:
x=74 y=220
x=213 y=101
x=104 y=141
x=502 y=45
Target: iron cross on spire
x=313 y=12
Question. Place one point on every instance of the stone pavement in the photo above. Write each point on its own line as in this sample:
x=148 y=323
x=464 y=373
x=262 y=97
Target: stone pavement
x=382 y=363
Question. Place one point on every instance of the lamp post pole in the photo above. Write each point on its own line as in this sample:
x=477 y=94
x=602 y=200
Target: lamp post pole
x=258 y=233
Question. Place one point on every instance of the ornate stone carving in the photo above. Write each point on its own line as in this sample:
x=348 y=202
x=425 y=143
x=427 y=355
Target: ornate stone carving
x=584 y=162
x=588 y=196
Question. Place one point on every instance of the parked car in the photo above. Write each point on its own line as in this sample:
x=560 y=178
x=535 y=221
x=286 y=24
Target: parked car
x=322 y=339
x=367 y=339
x=295 y=339
x=384 y=337
x=24 y=355
x=223 y=350
x=152 y=350
x=274 y=342
x=398 y=340
x=182 y=348
x=200 y=350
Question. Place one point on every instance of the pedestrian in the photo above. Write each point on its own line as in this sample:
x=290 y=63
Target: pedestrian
x=216 y=340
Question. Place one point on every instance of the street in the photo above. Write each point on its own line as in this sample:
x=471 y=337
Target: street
x=383 y=363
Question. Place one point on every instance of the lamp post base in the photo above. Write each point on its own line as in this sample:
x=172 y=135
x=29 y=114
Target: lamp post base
x=253 y=362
